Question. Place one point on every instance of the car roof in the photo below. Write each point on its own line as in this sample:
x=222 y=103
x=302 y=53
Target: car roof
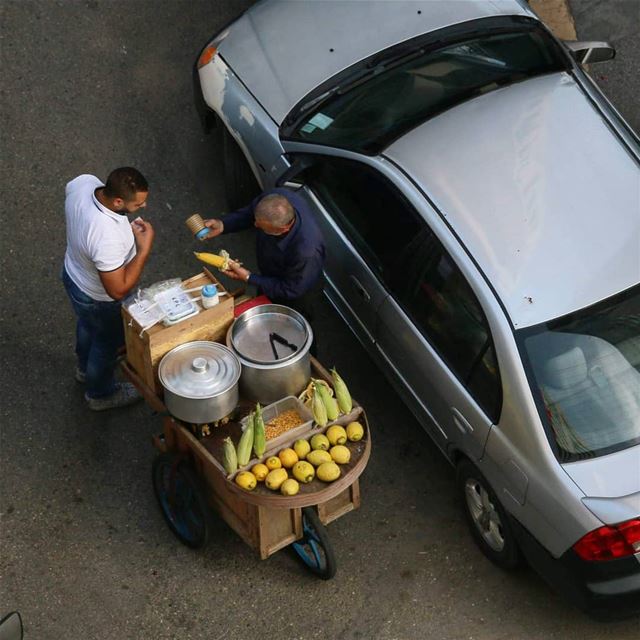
x=283 y=49
x=539 y=189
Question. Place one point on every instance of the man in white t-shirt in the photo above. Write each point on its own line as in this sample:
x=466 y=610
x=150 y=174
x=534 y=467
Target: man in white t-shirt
x=105 y=256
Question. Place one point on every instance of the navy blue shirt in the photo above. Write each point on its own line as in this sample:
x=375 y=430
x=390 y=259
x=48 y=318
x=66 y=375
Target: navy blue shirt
x=290 y=265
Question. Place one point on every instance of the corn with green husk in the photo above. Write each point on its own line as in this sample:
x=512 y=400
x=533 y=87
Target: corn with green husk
x=307 y=393
x=246 y=442
x=330 y=403
x=318 y=409
x=229 y=456
x=259 y=437
x=343 y=396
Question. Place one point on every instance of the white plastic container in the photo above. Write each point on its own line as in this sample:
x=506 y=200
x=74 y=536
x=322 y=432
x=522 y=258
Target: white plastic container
x=209 y=296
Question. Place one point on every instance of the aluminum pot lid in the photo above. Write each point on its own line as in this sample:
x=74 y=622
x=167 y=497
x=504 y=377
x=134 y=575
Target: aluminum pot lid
x=199 y=369
x=269 y=333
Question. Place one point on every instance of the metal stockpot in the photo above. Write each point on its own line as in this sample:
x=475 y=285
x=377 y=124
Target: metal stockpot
x=272 y=343
x=200 y=381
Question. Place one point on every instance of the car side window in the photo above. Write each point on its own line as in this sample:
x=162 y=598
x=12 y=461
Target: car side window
x=446 y=311
x=375 y=217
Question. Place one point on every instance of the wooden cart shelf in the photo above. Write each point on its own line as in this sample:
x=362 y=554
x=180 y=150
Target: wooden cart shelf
x=267 y=521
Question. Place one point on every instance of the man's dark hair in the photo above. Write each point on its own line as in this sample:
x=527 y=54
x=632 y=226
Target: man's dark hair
x=275 y=209
x=124 y=183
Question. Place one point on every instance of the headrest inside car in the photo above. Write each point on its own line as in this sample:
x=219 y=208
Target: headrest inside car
x=566 y=370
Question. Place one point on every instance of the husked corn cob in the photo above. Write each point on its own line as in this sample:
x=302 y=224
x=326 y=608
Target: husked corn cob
x=318 y=409
x=219 y=261
x=342 y=392
x=229 y=457
x=329 y=401
x=259 y=437
x=246 y=443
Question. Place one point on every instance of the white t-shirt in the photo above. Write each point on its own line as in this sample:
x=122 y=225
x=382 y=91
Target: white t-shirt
x=98 y=239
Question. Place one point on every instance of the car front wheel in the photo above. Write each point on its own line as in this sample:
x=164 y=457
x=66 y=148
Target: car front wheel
x=488 y=521
x=241 y=186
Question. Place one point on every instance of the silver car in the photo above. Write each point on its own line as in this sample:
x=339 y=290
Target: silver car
x=480 y=200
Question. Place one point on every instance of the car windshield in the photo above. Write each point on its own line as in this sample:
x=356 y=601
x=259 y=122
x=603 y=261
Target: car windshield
x=380 y=103
x=585 y=372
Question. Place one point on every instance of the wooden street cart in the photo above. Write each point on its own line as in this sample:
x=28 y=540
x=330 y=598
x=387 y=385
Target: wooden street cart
x=190 y=481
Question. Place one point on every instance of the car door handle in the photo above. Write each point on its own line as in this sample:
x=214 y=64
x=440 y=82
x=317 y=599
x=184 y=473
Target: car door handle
x=461 y=422
x=360 y=289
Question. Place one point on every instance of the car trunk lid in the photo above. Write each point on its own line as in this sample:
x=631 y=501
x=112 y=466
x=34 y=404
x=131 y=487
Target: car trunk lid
x=611 y=484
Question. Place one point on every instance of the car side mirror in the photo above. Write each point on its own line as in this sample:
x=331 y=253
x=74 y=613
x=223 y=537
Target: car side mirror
x=291 y=177
x=590 y=52
x=11 y=627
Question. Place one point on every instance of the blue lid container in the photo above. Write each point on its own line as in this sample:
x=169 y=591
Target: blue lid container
x=209 y=290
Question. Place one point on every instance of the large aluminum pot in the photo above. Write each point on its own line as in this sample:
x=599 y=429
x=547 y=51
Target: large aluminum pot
x=272 y=342
x=200 y=381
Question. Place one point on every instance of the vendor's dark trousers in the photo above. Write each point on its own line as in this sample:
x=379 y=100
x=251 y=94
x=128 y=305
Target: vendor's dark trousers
x=99 y=335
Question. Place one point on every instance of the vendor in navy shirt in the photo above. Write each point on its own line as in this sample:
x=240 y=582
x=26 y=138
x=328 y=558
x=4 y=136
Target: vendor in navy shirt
x=289 y=247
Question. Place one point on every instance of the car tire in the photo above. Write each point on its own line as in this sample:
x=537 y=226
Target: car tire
x=488 y=522
x=241 y=186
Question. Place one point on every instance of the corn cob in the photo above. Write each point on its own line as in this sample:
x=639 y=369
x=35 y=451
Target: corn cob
x=259 y=437
x=329 y=401
x=246 y=443
x=219 y=261
x=307 y=394
x=318 y=409
x=229 y=457
x=342 y=393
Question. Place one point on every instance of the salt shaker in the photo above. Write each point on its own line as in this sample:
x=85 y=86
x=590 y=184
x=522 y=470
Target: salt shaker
x=209 y=296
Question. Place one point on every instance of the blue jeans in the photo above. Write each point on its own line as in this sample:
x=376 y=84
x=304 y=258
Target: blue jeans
x=99 y=335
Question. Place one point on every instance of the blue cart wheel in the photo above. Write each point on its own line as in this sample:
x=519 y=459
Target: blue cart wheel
x=314 y=549
x=182 y=500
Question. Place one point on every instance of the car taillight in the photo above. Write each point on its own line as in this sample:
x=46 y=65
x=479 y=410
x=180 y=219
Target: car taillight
x=207 y=55
x=610 y=542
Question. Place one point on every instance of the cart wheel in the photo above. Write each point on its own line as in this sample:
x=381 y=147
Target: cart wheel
x=314 y=549
x=182 y=500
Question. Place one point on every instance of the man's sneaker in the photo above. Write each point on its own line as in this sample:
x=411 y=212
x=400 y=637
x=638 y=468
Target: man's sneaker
x=124 y=395
x=81 y=376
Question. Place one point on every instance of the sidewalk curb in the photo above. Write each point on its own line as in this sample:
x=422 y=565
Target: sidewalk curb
x=556 y=14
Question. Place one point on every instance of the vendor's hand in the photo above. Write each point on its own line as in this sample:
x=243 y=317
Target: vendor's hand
x=215 y=226
x=143 y=234
x=236 y=272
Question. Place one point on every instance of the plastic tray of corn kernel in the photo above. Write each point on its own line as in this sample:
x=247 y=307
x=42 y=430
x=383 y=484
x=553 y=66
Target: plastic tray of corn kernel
x=288 y=405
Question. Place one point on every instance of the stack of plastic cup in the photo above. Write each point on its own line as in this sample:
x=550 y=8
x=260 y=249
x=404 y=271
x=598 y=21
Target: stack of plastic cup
x=195 y=224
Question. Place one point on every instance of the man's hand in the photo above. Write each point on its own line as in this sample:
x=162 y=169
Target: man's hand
x=143 y=233
x=215 y=226
x=236 y=272
x=118 y=283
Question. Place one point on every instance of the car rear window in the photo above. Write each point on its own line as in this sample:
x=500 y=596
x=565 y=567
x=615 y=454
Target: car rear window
x=585 y=374
x=382 y=102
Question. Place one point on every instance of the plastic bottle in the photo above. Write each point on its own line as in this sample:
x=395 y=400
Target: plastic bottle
x=209 y=296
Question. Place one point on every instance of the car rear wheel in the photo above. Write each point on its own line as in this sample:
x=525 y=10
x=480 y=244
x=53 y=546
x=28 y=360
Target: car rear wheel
x=488 y=521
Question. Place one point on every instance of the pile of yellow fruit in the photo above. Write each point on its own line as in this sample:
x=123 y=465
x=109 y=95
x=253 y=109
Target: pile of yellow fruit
x=318 y=457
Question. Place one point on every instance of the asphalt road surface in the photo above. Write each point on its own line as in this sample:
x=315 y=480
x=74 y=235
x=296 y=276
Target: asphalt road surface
x=91 y=85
